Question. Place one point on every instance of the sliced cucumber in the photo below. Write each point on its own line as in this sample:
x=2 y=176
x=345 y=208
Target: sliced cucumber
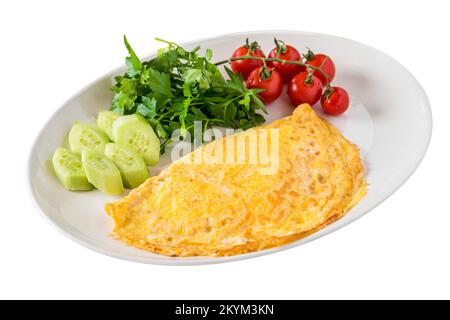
x=134 y=132
x=131 y=165
x=105 y=120
x=102 y=172
x=86 y=137
x=69 y=170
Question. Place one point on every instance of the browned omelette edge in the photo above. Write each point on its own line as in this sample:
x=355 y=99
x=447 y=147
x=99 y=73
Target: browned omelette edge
x=179 y=251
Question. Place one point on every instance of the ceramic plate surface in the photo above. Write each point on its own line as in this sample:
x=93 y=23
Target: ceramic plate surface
x=389 y=119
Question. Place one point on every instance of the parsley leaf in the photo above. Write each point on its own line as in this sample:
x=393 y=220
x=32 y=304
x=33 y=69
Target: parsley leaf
x=147 y=108
x=132 y=61
x=159 y=82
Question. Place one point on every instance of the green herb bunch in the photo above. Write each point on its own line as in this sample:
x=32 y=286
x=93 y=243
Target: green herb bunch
x=179 y=87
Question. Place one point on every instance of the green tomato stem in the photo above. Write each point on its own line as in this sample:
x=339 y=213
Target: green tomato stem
x=221 y=62
x=276 y=59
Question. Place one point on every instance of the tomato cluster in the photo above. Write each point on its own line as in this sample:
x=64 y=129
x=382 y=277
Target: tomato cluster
x=308 y=76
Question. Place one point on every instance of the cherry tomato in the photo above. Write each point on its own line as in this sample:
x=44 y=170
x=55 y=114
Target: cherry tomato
x=287 y=71
x=244 y=67
x=268 y=79
x=327 y=64
x=300 y=91
x=335 y=103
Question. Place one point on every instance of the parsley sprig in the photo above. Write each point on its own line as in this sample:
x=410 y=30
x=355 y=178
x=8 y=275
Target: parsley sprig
x=178 y=87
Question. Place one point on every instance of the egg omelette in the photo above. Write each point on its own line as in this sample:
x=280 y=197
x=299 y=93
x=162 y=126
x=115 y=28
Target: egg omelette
x=221 y=209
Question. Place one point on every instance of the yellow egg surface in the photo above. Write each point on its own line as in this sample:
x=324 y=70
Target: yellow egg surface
x=214 y=202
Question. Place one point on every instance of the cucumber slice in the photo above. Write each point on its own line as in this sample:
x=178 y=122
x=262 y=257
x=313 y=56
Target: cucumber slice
x=102 y=172
x=69 y=170
x=105 y=120
x=134 y=132
x=83 y=136
x=131 y=165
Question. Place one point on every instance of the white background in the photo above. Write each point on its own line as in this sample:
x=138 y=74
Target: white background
x=50 y=49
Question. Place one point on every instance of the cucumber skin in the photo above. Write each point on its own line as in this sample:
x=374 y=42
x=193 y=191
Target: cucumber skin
x=105 y=120
x=75 y=134
x=72 y=181
x=108 y=182
x=132 y=122
x=132 y=177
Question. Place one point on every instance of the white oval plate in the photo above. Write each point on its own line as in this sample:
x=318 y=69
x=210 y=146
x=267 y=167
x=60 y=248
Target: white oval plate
x=389 y=119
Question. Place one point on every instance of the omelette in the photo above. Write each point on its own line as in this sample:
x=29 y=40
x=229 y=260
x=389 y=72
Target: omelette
x=216 y=207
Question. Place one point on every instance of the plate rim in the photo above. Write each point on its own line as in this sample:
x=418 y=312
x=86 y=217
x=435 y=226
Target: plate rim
x=83 y=240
